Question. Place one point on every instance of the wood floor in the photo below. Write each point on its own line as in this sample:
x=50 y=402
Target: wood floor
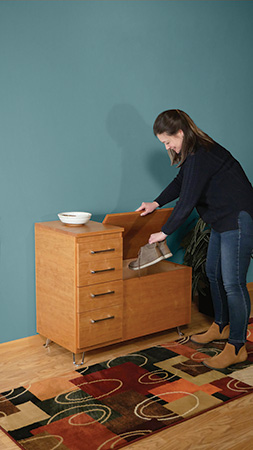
x=228 y=427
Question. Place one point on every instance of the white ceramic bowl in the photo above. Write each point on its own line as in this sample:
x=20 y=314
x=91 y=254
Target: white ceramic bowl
x=75 y=217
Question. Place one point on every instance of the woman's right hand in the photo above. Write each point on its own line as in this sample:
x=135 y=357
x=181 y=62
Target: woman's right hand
x=147 y=207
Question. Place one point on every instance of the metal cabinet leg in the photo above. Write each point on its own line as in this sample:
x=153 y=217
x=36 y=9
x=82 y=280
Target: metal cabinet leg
x=48 y=342
x=180 y=332
x=82 y=360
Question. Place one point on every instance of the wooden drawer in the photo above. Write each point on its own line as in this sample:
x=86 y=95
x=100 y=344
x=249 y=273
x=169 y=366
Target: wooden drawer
x=100 y=326
x=91 y=249
x=99 y=271
x=99 y=296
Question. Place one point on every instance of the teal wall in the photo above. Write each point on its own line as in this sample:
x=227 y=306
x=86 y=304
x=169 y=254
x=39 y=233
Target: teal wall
x=81 y=83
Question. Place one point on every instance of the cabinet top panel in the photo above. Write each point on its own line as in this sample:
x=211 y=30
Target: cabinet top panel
x=91 y=228
x=137 y=228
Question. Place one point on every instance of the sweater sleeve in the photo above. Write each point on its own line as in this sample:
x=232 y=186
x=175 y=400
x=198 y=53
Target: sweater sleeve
x=194 y=177
x=171 y=192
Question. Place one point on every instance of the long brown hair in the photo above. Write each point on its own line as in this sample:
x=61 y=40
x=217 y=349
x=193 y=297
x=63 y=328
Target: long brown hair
x=171 y=122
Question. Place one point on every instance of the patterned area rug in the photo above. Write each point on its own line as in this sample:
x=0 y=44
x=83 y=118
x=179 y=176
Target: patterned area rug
x=108 y=405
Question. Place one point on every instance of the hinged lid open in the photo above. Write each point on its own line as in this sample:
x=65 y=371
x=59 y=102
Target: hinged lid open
x=137 y=228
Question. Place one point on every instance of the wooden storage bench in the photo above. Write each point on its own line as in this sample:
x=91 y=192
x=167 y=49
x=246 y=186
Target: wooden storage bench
x=86 y=295
x=155 y=298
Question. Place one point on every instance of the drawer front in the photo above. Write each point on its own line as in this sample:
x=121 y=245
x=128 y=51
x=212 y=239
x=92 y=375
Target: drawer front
x=99 y=296
x=100 y=326
x=91 y=249
x=99 y=271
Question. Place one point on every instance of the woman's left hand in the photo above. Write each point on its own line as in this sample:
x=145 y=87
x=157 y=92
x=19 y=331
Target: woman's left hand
x=157 y=237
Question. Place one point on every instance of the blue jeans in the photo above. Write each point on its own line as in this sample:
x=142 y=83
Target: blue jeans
x=228 y=260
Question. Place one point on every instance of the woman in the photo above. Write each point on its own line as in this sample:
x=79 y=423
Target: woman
x=211 y=180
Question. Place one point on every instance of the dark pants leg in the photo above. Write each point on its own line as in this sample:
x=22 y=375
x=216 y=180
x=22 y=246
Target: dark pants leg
x=228 y=260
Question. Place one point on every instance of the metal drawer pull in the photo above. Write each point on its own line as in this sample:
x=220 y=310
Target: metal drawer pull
x=102 y=293
x=103 y=270
x=102 y=251
x=100 y=320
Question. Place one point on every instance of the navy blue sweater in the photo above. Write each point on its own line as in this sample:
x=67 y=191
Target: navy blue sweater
x=214 y=182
